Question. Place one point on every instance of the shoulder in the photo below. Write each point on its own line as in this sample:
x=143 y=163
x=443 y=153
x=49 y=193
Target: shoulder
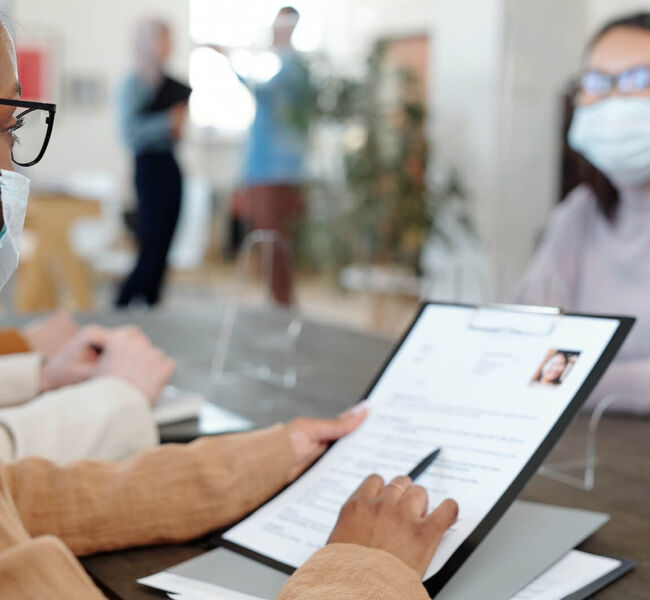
x=133 y=85
x=579 y=206
x=130 y=80
x=579 y=202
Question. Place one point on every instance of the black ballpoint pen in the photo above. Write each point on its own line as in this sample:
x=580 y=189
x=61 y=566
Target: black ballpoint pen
x=424 y=464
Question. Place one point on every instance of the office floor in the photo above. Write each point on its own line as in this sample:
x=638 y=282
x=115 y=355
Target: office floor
x=319 y=297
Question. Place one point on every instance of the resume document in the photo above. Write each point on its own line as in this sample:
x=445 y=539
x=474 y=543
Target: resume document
x=485 y=393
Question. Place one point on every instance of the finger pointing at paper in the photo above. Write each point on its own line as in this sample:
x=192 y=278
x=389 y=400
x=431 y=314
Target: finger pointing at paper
x=394 y=518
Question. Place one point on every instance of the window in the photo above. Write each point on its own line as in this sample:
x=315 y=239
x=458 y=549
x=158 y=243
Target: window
x=219 y=99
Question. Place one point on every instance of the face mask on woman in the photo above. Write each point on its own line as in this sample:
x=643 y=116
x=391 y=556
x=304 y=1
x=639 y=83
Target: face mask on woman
x=614 y=136
x=14 y=192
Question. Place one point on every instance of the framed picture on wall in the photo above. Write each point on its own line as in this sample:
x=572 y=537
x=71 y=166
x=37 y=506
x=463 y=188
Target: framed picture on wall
x=36 y=70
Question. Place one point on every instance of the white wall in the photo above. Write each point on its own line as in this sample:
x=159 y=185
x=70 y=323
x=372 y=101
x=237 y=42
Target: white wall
x=350 y=27
x=467 y=75
x=543 y=46
x=498 y=69
x=93 y=38
x=602 y=10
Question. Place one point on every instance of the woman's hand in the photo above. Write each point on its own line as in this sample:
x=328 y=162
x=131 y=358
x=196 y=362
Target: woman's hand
x=76 y=361
x=50 y=334
x=129 y=355
x=394 y=518
x=310 y=437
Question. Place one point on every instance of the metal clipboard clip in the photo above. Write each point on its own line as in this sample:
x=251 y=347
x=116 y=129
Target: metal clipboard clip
x=515 y=319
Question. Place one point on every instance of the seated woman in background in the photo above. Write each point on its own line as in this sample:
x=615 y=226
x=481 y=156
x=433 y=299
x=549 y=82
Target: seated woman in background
x=595 y=254
x=61 y=399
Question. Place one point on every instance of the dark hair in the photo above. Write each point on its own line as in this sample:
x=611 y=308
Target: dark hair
x=607 y=195
x=291 y=10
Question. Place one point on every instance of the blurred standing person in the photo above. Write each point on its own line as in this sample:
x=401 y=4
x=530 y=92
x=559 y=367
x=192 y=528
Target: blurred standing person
x=271 y=196
x=153 y=108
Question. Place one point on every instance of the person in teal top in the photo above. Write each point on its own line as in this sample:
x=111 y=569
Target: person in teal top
x=270 y=197
x=276 y=147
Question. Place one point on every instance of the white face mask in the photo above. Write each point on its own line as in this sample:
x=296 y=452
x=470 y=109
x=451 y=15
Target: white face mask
x=14 y=192
x=614 y=136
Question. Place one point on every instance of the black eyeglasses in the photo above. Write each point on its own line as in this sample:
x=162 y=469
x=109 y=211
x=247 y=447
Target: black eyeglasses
x=32 y=131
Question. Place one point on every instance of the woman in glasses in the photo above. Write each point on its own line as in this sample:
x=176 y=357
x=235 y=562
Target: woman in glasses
x=595 y=254
x=380 y=547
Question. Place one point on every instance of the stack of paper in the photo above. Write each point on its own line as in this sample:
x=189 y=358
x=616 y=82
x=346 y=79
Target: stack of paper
x=569 y=575
x=175 y=405
x=184 y=588
x=573 y=573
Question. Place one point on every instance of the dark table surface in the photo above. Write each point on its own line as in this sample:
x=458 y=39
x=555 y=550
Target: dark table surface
x=335 y=366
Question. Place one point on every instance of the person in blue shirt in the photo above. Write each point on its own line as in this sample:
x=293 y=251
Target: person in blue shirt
x=271 y=196
x=151 y=132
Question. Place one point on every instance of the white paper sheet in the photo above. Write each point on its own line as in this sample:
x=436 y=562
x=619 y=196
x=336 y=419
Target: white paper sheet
x=177 y=585
x=210 y=597
x=468 y=390
x=569 y=575
x=175 y=405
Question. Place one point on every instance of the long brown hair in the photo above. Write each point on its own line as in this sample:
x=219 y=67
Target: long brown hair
x=577 y=170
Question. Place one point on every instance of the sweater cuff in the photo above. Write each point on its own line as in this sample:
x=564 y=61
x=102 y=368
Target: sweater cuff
x=20 y=376
x=44 y=568
x=348 y=571
x=103 y=419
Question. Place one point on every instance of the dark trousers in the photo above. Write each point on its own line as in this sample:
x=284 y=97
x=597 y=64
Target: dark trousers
x=158 y=187
x=276 y=207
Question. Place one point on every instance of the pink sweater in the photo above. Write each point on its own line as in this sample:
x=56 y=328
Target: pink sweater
x=587 y=264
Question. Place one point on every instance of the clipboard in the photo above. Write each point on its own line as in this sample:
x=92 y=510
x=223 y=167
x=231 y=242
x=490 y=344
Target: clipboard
x=169 y=92
x=487 y=318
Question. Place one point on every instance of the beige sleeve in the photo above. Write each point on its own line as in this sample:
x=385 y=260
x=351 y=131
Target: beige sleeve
x=167 y=494
x=350 y=572
x=44 y=568
x=36 y=569
x=103 y=419
x=20 y=376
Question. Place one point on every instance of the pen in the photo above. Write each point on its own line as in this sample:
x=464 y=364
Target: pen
x=424 y=464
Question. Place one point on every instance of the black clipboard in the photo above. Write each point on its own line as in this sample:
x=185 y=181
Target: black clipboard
x=435 y=583
x=169 y=92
